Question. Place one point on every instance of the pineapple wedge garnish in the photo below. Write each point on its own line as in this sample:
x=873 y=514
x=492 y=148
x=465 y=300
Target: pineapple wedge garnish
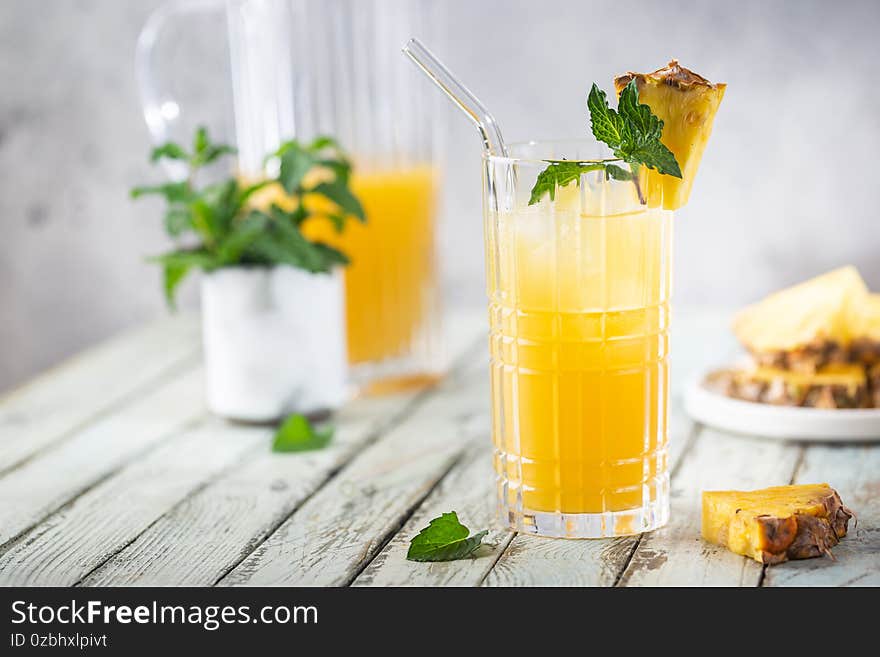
x=817 y=311
x=687 y=103
x=776 y=524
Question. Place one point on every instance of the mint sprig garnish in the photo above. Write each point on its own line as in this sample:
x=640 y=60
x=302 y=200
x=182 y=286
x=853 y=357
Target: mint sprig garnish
x=444 y=539
x=296 y=434
x=559 y=174
x=632 y=132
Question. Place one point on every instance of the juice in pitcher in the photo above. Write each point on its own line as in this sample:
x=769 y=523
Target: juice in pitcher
x=391 y=283
x=391 y=288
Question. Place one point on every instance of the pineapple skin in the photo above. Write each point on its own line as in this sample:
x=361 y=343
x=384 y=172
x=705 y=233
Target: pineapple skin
x=835 y=386
x=874 y=376
x=776 y=524
x=687 y=104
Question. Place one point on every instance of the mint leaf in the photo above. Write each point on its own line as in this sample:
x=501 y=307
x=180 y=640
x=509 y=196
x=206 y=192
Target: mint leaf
x=168 y=150
x=204 y=220
x=296 y=216
x=295 y=164
x=617 y=172
x=172 y=275
x=444 y=539
x=338 y=192
x=283 y=243
x=308 y=255
x=607 y=125
x=177 y=219
x=646 y=125
x=205 y=151
x=331 y=256
x=243 y=233
x=321 y=142
x=340 y=168
x=201 y=140
x=296 y=434
x=655 y=155
x=559 y=174
x=192 y=257
x=268 y=249
x=339 y=164
x=338 y=221
x=214 y=152
x=224 y=200
x=173 y=192
x=176 y=265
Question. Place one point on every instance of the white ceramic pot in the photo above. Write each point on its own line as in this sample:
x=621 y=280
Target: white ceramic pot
x=274 y=342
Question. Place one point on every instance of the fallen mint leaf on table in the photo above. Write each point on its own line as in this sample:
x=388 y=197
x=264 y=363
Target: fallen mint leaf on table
x=296 y=434
x=444 y=539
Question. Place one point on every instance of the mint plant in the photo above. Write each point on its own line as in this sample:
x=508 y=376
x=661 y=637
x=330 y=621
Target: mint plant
x=218 y=225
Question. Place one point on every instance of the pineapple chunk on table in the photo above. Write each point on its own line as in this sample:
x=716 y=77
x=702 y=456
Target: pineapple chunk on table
x=775 y=524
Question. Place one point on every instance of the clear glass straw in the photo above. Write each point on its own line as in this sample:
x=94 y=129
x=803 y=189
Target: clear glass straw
x=485 y=123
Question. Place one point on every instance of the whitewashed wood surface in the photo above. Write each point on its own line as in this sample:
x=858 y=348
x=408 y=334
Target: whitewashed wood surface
x=112 y=473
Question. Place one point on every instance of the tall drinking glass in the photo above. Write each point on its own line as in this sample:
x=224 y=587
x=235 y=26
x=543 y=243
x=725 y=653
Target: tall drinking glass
x=579 y=289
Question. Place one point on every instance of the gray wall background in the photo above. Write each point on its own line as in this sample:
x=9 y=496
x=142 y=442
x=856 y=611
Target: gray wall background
x=787 y=187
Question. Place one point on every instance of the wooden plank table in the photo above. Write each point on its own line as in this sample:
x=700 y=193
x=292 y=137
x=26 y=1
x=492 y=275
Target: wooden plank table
x=112 y=473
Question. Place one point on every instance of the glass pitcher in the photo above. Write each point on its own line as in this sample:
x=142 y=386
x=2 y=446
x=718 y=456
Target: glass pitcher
x=301 y=68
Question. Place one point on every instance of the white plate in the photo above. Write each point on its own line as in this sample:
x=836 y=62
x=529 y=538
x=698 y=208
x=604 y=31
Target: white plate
x=780 y=422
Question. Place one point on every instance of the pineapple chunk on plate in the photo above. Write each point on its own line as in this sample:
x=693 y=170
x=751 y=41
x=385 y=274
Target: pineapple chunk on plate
x=822 y=309
x=814 y=371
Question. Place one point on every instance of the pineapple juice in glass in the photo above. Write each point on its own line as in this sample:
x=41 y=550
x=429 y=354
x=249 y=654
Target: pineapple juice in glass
x=579 y=289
